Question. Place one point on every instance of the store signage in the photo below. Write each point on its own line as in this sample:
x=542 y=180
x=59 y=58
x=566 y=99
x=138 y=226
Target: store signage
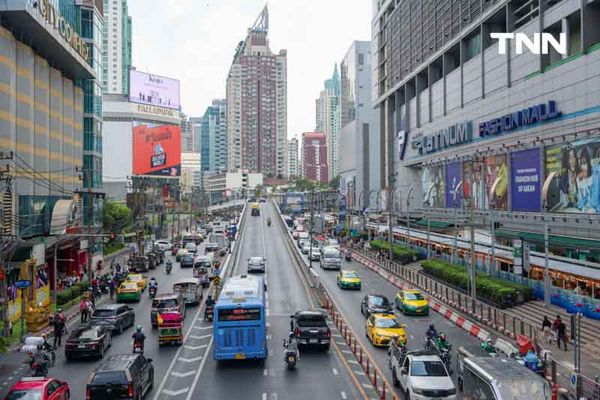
x=518 y=119
x=444 y=138
x=166 y=112
x=53 y=17
x=23 y=284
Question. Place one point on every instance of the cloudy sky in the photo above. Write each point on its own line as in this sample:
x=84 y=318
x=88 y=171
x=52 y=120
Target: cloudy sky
x=194 y=41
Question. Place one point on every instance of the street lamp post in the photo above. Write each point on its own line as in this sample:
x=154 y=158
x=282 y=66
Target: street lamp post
x=408 y=197
x=390 y=224
x=454 y=195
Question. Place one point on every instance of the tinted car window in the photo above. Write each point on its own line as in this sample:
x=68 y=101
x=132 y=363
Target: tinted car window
x=104 y=313
x=386 y=323
x=427 y=368
x=378 y=301
x=165 y=303
x=413 y=296
x=318 y=322
x=103 y=377
x=87 y=334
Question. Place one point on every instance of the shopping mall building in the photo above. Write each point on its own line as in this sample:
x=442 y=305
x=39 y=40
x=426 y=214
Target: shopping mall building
x=513 y=135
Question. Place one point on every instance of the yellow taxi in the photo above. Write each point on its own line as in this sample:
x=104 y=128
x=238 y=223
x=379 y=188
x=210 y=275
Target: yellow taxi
x=348 y=279
x=381 y=328
x=138 y=279
x=129 y=291
x=411 y=301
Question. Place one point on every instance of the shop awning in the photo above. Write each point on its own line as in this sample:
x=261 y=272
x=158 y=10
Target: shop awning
x=434 y=224
x=563 y=241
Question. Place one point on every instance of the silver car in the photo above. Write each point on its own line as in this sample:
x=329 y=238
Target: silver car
x=256 y=264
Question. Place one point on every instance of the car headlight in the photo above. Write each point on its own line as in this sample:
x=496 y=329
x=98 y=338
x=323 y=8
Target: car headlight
x=417 y=390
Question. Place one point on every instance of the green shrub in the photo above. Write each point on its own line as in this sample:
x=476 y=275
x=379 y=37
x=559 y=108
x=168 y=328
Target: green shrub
x=400 y=253
x=63 y=297
x=75 y=291
x=491 y=288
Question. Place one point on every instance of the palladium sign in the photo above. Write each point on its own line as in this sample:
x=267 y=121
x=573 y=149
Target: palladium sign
x=444 y=138
x=53 y=17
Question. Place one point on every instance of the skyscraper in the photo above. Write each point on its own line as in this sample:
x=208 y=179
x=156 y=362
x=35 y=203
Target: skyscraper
x=314 y=156
x=213 y=137
x=187 y=133
x=293 y=164
x=257 y=104
x=116 y=38
x=328 y=119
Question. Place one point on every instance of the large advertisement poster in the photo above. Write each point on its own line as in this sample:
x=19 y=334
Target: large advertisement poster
x=525 y=180
x=157 y=150
x=496 y=182
x=473 y=184
x=576 y=187
x=453 y=178
x=153 y=90
x=433 y=185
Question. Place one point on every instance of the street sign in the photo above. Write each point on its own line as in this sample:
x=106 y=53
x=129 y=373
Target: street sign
x=22 y=284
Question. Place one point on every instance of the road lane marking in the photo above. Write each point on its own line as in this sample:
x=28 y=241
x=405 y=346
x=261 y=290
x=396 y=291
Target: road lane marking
x=190 y=360
x=202 y=328
x=265 y=396
x=352 y=361
x=199 y=371
x=201 y=337
x=343 y=394
x=194 y=347
x=175 y=392
x=266 y=372
x=335 y=371
x=347 y=351
x=358 y=372
x=353 y=377
x=183 y=374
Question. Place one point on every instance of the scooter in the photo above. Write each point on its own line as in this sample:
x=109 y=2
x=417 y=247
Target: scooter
x=291 y=355
x=209 y=313
x=138 y=347
x=169 y=267
x=348 y=256
x=152 y=291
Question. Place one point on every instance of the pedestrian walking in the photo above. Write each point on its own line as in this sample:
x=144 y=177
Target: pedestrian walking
x=547 y=329
x=84 y=310
x=112 y=287
x=555 y=325
x=561 y=335
x=59 y=327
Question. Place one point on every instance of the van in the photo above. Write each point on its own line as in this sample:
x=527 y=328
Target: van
x=499 y=379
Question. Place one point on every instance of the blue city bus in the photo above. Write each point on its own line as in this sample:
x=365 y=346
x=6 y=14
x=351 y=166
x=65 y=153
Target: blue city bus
x=240 y=330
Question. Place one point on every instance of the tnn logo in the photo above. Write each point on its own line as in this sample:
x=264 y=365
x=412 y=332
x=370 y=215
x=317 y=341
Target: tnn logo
x=539 y=45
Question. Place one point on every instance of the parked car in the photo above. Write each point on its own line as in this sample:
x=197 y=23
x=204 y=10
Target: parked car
x=119 y=316
x=256 y=264
x=163 y=245
x=88 y=341
x=39 y=388
x=422 y=376
x=375 y=303
x=310 y=329
x=121 y=376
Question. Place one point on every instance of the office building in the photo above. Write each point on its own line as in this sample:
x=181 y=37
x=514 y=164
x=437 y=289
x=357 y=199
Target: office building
x=293 y=160
x=257 y=104
x=222 y=186
x=191 y=173
x=314 y=157
x=467 y=126
x=116 y=38
x=328 y=119
x=213 y=137
x=359 y=136
x=187 y=133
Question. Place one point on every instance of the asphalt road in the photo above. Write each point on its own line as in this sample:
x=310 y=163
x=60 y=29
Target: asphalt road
x=76 y=372
x=372 y=283
x=318 y=375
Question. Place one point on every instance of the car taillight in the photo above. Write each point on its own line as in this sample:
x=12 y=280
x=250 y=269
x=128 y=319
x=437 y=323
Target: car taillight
x=130 y=390
x=297 y=332
x=88 y=395
x=328 y=333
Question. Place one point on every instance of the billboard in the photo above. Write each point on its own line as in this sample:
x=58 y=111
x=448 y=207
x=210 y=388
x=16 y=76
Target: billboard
x=576 y=188
x=157 y=150
x=495 y=174
x=432 y=181
x=453 y=178
x=473 y=184
x=525 y=180
x=153 y=90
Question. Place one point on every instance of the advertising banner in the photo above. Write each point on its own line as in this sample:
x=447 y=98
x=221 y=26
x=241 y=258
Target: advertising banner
x=473 y=184
x=576 y=187
x=153 y=90
x=525 y=180
x=453 y=178
x=42 y=296
x=496 y=182
x=157 y=151
x=432 y=181
x=14 y=309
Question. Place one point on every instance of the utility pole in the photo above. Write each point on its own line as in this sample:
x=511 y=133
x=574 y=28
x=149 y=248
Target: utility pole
x=456 y=207
x=473 y=266
x=312 y=229
x=408 y=215
x=391 y=188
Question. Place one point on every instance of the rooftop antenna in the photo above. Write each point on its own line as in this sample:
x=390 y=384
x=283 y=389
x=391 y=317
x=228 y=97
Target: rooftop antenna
x=262 y=22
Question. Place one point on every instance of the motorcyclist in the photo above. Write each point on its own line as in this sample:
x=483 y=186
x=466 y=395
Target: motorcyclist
x=153 y=283
x=40 y=361
x=441 y=342
x=291 y=344
x=488 y=346
x=138 y=337
x=46 y=345
x=431 y=335
x=269 y=221
x=210 y=304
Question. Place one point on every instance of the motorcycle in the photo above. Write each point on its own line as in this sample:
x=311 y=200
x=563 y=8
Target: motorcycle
x=446 y=357
x=209 y=313
x=152 y=291
x=169 y=267
x=138 y=347
x=348 y=256
x=269 y=222
x=291 y=355
x=37 y=367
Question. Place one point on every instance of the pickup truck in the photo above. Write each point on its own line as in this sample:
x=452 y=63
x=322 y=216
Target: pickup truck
x=310 y=329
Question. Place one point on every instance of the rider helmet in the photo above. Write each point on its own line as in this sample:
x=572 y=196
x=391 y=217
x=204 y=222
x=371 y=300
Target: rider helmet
x=138 y=328
x=431 y=327
x=59 y=310
x=489 y=342
x=442 y=336
x=291 y=335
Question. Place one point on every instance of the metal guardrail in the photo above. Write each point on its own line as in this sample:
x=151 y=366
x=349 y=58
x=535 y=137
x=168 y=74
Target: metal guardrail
x=368 y=366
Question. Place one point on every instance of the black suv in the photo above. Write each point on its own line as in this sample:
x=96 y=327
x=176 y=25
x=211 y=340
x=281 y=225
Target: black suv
x=187 y=261
x=375 y=304
x=119 y=316
x=310 y=329
x=121 y=376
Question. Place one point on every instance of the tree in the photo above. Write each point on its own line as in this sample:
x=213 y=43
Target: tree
x=335 y=182
x=258 y=191
x=116 y=216
x=304 y=185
